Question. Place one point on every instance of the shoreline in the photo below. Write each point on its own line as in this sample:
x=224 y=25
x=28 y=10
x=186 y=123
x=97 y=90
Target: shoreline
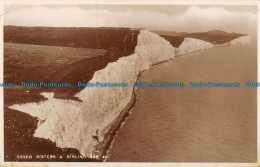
x=107 y=143
x=215 y=46
x=129 y=140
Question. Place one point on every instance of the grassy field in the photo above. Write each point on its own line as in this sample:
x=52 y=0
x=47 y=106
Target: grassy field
x=214 y=36
x=31 y=63
x=174 y=40
x=57 y=55
x=49 y=54
x=34 y=63
x=124 y=39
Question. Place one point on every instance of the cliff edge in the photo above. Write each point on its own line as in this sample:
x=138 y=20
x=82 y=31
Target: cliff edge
x=72 y=124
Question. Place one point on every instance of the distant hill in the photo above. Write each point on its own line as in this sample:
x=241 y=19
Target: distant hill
x=214 y=36
x=217 y=32
x=168 y=33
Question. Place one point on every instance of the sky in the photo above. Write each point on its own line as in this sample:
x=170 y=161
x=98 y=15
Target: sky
x=179 y=18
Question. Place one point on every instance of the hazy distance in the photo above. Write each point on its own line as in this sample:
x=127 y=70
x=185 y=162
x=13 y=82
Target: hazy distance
x=179 y=18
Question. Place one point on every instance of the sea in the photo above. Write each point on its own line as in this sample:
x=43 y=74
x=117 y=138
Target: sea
x=194 y=124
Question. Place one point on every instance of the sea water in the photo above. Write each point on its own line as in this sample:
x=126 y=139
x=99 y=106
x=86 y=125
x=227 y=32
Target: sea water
x=194 y=124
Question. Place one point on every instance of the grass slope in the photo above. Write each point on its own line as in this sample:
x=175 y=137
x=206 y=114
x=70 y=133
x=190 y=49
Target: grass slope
x=214 y=36
x=52 y=55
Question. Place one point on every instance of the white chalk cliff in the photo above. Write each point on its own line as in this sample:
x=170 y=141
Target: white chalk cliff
x=191 y=45
x=71 y=124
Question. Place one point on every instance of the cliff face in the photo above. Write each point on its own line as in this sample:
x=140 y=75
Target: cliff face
x=71 y=124
x=191 y=45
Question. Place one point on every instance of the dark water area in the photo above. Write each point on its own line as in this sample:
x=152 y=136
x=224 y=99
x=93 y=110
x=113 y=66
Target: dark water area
x=194 y=124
